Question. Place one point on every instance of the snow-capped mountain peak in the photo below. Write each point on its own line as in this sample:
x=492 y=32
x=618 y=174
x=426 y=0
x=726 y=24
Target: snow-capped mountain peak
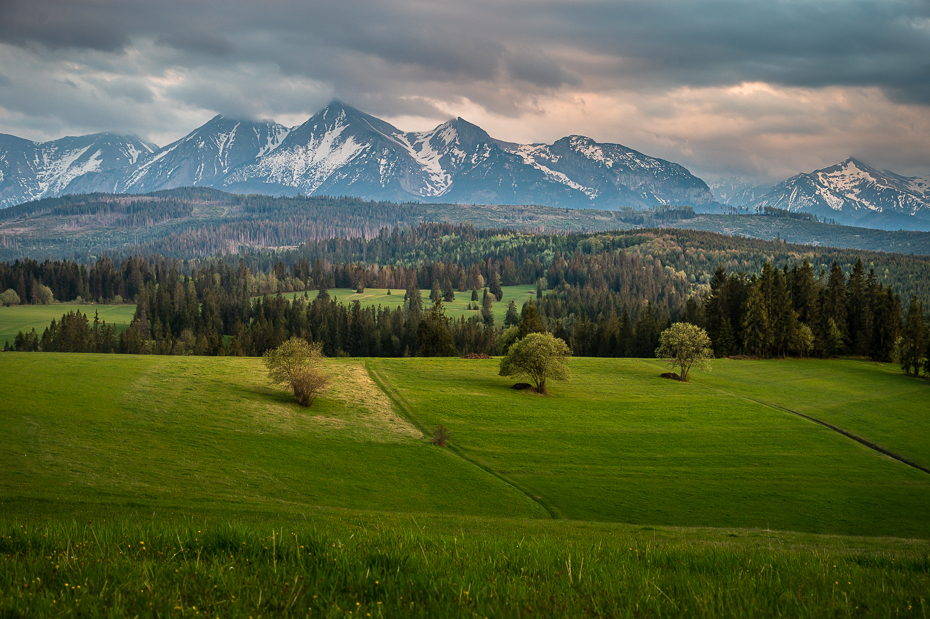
x=33 y=170
x=853 y=192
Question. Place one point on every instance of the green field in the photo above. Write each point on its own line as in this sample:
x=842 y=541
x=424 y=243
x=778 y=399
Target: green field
x=25 y=317
x=454 y=309
x=188 y=485
x=621 y=444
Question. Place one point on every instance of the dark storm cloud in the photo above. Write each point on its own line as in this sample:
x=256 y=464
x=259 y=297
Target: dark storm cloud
x=867 y=43
x=176 y=60
x=197 y=42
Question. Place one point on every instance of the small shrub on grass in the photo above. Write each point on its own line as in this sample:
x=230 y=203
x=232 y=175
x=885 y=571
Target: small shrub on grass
x=297 y=364
x=440 y=436
x=307 y=383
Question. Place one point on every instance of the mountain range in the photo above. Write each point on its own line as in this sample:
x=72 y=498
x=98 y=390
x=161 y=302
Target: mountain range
x=343 y=151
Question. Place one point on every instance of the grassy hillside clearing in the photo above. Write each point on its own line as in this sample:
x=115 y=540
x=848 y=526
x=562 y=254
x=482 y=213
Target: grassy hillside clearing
x=199 y=432
x=25 y=317
x=454 y=309
x=620 y=444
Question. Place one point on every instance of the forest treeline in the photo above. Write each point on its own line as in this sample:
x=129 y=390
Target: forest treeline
x=605 y=294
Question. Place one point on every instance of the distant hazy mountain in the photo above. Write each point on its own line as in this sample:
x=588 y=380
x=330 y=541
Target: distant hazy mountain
x=738 y=191
x=854 y=193
x=342 y=151
x=32 y=170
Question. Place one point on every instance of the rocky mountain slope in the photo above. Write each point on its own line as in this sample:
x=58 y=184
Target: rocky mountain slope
x=32 y=170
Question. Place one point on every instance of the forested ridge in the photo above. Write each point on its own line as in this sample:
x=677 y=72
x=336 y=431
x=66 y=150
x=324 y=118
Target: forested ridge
x=197 y=223
x=606 y=294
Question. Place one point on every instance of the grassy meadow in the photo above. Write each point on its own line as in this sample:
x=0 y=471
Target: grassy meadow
x=620 y=444
x=189 y=486
x=25 y=317
x=454 y=309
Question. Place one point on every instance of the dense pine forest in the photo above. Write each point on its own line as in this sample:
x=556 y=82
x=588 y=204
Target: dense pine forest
x=607 y=294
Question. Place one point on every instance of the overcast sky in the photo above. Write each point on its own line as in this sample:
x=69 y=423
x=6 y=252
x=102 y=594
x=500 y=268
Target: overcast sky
x=759 y=89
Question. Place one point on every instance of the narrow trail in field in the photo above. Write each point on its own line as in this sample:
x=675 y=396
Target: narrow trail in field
x=407 y=412
x=847 y=434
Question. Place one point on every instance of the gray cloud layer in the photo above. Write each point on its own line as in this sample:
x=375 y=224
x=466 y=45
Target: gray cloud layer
x=93 y=60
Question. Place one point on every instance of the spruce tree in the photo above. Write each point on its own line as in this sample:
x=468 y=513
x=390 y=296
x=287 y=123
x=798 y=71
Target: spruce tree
x=910 y=346
x=757 y=332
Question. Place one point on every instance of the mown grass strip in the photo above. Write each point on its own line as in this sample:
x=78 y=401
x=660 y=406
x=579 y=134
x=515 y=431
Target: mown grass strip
x=849 y=435
x=407 y=412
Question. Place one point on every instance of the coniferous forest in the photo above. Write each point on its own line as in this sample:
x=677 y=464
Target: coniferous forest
x=606 y=294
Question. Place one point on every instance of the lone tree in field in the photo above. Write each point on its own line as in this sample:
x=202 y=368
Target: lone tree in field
x=297 y=364
x=538 y=356
x=684 y=345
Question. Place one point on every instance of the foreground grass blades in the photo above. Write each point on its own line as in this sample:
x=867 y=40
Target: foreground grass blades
x=359 y=565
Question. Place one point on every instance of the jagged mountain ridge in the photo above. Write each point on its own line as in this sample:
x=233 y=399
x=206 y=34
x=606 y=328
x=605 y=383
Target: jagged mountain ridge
x=34 y=170
x=342 y=151
x=854 y=193
x=203 y=157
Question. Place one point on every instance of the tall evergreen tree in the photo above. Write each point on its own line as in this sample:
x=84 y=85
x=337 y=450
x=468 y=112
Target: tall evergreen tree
x=834 y=302
x=910 y=347
x=757 y=332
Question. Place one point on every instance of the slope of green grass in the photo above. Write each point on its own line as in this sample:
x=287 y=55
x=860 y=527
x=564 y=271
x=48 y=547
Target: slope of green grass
x=137 y=486
x=25 y=317
x=200 y=432
x=454 y=309
x=619 y=443
x=875 y=401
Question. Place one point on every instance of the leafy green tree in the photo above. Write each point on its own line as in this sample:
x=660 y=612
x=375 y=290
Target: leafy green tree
x=43 y=295
x=539 y=357
x=684 y=345
x=9 y=297
x=297 y=364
